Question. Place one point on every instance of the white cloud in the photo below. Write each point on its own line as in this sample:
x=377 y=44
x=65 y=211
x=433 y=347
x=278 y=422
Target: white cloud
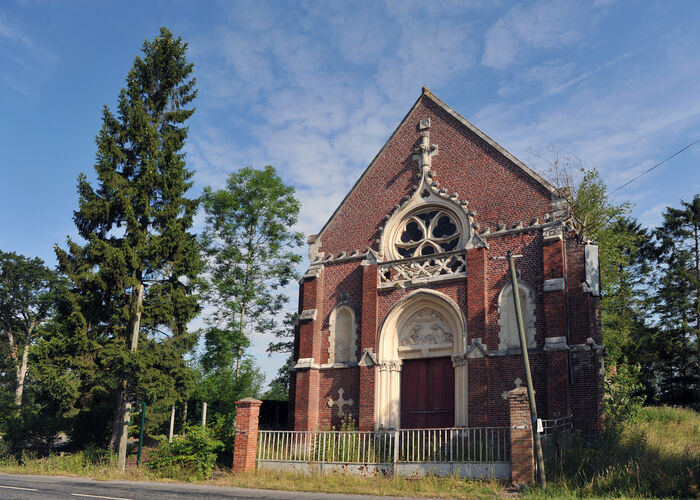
x=542 y=25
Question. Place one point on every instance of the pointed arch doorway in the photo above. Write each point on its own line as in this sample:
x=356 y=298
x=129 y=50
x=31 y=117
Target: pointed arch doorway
x=418 y=385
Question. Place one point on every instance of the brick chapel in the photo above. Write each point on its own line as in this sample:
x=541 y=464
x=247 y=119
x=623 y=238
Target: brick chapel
x=406 y=313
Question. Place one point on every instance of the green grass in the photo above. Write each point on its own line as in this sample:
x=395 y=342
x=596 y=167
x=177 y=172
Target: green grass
x=434 y=487
x=103 y=467
x=655 y=455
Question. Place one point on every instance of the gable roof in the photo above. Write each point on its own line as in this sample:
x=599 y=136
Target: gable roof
x=426 y=93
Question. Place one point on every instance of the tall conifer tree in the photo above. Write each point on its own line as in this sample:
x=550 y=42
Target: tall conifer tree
x=677 y=300
x=129 y=305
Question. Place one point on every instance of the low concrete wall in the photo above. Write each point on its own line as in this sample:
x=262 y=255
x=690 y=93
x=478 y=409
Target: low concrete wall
x=467 y=470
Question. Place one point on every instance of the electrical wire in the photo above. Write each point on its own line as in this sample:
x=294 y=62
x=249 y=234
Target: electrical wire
x=657 y=165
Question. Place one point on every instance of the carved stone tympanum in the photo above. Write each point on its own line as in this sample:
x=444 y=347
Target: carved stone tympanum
x=425 y=327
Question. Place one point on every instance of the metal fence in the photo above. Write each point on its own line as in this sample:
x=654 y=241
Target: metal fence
x=480 y=444
x=476 y=444
x=556 y=425
x=326 y=446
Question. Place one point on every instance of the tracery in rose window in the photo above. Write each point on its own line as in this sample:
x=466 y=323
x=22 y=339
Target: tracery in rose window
x=427 y=232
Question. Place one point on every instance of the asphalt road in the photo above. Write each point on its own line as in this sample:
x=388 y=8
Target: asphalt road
x=14 y=486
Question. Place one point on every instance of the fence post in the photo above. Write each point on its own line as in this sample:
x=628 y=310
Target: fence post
x=246 y=442
x=396 y=453
x=522 y=457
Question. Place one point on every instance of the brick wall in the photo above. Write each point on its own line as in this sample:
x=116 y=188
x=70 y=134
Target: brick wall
x=466 y=164
x=498 y=192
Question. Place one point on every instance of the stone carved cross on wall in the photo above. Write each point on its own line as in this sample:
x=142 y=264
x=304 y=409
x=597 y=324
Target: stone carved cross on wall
x=425 y=151
x=340 y=402
x=517 y=383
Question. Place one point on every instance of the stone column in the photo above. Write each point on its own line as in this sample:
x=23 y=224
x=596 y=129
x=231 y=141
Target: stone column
x=247 y=413
x=461 y=390
x=522 y=461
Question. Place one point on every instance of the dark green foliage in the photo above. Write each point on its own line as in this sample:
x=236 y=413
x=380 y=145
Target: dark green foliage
x=279 y=386
x=623 y=393
x=191 y=456
x=28 y=292
x=249 y=245
x=135 y=224
x=220 y=389
x=673 y=350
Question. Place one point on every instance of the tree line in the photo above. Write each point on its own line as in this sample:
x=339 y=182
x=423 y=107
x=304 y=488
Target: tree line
x=86 y=344
x=650 y=303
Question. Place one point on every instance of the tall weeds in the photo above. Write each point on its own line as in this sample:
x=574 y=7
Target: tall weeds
x=656 y=454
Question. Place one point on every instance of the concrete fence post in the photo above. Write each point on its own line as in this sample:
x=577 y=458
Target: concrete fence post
x=522 y=457
x=246 y=443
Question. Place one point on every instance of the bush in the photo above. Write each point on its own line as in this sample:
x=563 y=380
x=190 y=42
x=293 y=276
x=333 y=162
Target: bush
x=623 y=393
x=191 y=456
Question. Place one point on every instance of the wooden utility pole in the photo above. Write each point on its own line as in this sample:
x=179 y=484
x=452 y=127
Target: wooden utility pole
x=528 y=375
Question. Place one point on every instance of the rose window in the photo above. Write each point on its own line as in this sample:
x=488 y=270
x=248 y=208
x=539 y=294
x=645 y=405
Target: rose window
x=427 y=232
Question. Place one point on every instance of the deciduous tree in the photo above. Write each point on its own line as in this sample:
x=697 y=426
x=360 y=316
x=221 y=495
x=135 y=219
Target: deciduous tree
x=249 y=243
x=27 y=298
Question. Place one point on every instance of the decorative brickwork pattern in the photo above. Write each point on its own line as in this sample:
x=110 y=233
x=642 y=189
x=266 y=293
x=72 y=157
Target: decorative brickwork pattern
x=247 y=413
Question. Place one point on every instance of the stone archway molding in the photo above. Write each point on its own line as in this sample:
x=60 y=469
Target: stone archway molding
x=390 y=354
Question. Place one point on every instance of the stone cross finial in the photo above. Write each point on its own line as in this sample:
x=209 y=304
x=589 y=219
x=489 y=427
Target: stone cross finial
x=517 y=383
x=424 y=152
x=340 y=402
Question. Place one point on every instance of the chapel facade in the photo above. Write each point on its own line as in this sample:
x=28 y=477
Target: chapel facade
x=406 y=313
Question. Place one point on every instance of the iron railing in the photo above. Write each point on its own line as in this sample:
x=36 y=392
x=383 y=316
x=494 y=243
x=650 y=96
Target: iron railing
x=326 y=446
x=478 y=444
x=555 y=425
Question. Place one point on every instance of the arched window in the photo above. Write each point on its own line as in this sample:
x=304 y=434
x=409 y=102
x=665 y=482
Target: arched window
x=508 y=336
x=343 y=335
x=426 y=232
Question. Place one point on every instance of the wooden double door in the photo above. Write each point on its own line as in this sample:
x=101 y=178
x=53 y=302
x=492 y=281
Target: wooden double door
x=427 y=393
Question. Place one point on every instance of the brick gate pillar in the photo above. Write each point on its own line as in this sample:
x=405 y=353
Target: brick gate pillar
x=522 y=457
x=245 y=446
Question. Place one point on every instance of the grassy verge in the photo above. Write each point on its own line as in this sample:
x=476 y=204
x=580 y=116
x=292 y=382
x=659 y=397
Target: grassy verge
x=655 y=455
x=82 y=464
x=433 y=487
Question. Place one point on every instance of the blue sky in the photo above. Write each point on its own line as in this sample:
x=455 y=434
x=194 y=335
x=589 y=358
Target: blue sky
x=316 y=88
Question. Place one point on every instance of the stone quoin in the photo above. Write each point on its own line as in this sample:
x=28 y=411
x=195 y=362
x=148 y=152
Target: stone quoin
x=406 y=315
